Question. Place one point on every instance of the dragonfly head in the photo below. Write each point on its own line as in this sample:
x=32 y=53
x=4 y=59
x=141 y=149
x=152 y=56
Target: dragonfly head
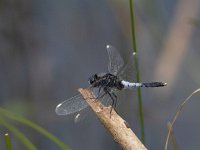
x=93 y=80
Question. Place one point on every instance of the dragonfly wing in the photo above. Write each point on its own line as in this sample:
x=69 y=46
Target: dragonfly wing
x=115 y=60
x=72 y=105
x=128 y=72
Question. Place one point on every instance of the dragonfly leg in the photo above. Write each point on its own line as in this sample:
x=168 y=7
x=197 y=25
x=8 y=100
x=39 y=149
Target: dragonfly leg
x=96 y=97
x=115 y=97
x=114 y=101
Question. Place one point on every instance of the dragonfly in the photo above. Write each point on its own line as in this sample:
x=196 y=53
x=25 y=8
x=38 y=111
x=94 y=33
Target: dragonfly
x=103 y=84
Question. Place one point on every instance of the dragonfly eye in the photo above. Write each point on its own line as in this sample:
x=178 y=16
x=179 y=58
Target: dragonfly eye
x=95 y=76
x=93 y=79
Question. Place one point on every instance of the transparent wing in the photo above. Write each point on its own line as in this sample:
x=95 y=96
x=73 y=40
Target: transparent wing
x=115 y=60
x=72 y=105
x=84 y=113
x=128 y=72
x=75 y=104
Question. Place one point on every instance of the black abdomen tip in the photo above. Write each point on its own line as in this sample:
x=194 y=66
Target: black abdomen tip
x=154 y=84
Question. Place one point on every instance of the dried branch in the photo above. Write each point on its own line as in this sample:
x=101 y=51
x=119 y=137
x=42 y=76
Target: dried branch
x=118 y=127
x=179 y=110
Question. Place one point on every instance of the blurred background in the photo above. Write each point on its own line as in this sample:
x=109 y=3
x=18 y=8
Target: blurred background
x=49 y=49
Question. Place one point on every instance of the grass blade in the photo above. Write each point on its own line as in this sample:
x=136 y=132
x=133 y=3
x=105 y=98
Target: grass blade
x=18 y=134
x=7 y=141
x=137 y=72
x=179 y=110
x=29 y=123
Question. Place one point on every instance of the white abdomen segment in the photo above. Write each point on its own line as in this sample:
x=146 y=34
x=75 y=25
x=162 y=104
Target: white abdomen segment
x=148 y=84
x=131 y=85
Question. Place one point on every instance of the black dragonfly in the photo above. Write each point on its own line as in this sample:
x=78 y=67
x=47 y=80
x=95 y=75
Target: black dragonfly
x=104 y=84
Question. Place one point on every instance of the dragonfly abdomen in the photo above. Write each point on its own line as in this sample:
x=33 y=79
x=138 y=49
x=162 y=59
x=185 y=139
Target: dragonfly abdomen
x=150 y=84
x=154 y=84
x=130 y=84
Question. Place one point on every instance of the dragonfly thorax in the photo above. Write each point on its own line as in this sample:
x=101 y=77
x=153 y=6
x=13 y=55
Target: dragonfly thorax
x=106 y=80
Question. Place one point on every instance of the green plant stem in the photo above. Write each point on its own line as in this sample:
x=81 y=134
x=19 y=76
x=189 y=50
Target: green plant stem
x=137 y=72
x=7 y=141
